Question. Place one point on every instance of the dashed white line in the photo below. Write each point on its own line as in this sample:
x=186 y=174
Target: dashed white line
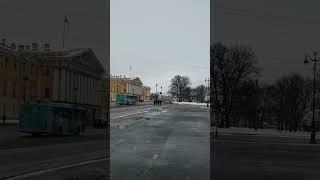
x=139 y=112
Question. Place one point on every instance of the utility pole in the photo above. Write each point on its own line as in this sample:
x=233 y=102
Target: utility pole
x=207 y=94
x=314 y=59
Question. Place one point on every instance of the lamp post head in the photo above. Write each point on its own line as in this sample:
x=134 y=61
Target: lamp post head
x=306 y=61
x=315 y=53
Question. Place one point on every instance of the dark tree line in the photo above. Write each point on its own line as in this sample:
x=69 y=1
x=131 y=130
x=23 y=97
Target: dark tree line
x=181 y=89
x=230 y=65
x=238 y=99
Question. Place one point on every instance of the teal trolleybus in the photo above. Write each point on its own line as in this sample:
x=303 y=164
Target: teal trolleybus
x=52 y=119
x=126 y=98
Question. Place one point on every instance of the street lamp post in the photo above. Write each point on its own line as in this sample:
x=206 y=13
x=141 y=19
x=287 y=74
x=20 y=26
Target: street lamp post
x=314 y=59
x=156 y=88
x=208 y=81
x=211 y=109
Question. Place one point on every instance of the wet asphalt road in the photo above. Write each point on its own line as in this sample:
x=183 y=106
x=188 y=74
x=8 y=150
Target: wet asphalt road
x=22 y=154
x=166 y=143
x=247 y=157
x=147 y=143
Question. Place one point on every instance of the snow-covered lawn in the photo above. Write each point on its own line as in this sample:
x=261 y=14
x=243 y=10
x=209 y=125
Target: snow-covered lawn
x=262 y=132
x=191 y=103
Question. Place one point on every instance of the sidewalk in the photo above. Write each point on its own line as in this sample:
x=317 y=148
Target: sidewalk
x=190 y=103
x=261 y=132
x=9 y=122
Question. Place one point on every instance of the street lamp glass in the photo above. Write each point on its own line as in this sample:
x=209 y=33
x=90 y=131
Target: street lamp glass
x=306 y=60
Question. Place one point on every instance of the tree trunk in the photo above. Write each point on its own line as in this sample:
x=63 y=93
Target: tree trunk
x=227 y=120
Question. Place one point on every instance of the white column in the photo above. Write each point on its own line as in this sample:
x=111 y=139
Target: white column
x=90 y=90
x=55 y=84
x=82 y=89
x=78 y=86
x=95 y=92
x=72 y=86
x=87 y=88
x=63 y=84
x=67 y=86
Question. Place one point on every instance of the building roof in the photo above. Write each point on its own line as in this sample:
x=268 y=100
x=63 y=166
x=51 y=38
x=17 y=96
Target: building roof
x=18 y=54
x=40 y=54
x=65 y=55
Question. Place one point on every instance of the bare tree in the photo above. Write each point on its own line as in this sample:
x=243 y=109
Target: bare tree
x=291 y=100
x=200 y=93
x=246 y=104
x=229 y=66
x=180 y=84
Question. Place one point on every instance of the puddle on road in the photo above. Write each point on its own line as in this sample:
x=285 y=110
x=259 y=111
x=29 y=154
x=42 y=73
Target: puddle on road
x=155 y=157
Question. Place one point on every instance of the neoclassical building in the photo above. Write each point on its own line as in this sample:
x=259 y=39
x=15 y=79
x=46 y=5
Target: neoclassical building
x=70 y=76
x=123 y=84
x=118 y=84
x=146 y=93
x=18 y=81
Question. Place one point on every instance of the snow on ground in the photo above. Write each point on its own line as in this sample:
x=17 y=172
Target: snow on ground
x=191 y=103
x=261 y=132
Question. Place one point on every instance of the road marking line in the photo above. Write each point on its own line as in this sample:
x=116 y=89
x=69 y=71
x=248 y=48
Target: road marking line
x=56 y=169
x=146 y=110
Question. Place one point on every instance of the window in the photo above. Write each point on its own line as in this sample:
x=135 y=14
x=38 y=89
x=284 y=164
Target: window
x=32 y=68
x=14 y=90
x=46 y=92
x=4 y=88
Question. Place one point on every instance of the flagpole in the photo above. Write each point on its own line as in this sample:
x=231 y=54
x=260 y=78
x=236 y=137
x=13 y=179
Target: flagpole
x=66 y=21
x=64 y=30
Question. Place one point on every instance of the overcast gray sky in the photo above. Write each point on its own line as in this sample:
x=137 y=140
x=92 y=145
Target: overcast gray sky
x=42 y=21
x=160 y=39
x=281 y=32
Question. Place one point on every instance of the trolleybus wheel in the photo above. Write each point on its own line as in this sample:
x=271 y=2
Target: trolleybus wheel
x=35 y=134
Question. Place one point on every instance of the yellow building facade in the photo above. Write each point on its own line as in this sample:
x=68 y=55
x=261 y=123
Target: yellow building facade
x=122 y=84
x=146 y=93
x=118 y=85
x=40 y=75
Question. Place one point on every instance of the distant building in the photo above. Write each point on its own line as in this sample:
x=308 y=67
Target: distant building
x=122 y=84
x=18 y=81
x=146 y=93
x=117 y=85
x=135 y=87
x=71 y=76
